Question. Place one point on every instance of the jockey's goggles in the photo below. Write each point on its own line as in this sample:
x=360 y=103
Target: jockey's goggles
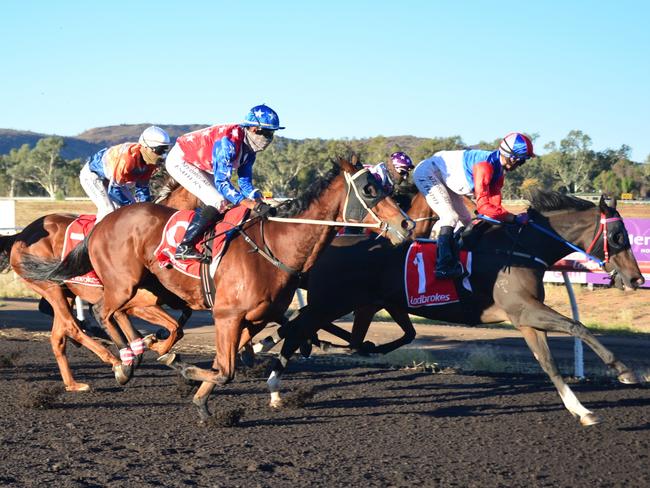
x=268 y=133
x=160 y=150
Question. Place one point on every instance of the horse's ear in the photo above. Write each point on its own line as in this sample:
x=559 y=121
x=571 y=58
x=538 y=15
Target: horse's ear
x=354 y=161
x=602 y=204
x=614 y=202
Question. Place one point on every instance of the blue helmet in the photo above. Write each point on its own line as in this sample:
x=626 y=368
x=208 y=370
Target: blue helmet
x=262 y=116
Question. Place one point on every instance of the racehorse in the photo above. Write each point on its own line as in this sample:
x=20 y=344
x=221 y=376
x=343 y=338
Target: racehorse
x=45 y=238
x=257 y=276
x=508 y=265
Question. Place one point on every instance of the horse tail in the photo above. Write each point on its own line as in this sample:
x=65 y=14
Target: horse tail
x=76 y=263
x=6 y=243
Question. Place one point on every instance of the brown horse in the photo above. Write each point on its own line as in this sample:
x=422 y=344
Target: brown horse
x=44 y=238
x=256 y=278
x=508 y=266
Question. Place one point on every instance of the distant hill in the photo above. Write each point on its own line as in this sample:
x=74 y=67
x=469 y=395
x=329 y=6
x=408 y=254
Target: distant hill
x=92 y=140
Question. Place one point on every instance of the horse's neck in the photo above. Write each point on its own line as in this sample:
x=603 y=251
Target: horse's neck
x=300 y=244
x=575 y=226
x=180 y=199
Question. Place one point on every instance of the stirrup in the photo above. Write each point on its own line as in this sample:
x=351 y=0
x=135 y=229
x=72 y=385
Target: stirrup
x=187 y=252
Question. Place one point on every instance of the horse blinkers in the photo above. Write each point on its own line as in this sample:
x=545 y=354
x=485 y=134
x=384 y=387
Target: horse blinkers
x=363 y=193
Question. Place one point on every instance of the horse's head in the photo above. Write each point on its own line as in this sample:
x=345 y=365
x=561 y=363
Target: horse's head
x=620 y=262
x=367 y=202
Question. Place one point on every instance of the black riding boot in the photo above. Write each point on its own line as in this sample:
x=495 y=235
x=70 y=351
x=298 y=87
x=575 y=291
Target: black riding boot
x=201 y=221
x=447 y=264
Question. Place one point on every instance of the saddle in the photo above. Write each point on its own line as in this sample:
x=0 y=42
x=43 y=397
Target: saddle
x=213 y=245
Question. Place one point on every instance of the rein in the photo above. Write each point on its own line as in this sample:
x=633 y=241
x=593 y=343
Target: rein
x=601 y=231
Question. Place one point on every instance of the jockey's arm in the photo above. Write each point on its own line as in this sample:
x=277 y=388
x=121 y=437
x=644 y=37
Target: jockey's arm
x=488 y=197
x=245 y=179
x=119 y=194
x=142 y=191
x=223 y=153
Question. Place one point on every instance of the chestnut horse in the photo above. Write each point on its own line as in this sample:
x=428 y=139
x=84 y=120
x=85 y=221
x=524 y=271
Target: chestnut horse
x=256 y=278
x=508 y=265
x=44 y=238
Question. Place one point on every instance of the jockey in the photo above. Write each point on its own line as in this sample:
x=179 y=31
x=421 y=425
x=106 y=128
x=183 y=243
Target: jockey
x=389 y=175
x=392 y=173
x=448 y=175
x=203 y=162
x=119 y=175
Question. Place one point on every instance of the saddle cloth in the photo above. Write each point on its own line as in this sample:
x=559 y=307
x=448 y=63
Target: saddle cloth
x=74 y=234
x=422 y=287
x=174 y=231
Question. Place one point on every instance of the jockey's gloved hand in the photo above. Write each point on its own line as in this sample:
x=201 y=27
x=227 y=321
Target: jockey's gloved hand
x=264 y=210
x=522 y=218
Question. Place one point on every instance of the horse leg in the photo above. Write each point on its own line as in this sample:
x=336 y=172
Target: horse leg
x=536 y=340
x=65 y=325
x=136 y=343
x=402 y=319
x=156 y=315
x=542 y=317
x=300 y=328
x=228 y=335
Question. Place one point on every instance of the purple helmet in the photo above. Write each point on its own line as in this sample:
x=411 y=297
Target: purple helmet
x=401 y=161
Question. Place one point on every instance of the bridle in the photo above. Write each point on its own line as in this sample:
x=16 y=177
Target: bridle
x=601 y=232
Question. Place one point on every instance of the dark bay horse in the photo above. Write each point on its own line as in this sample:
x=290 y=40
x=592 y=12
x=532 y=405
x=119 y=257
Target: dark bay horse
x=508 y=265
x=44 y=238
x=252 y=288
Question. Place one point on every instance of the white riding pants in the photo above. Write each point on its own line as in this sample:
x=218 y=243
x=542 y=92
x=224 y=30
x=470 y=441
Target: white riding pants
x=197 y=182
x=94 y=187
x=449 y=205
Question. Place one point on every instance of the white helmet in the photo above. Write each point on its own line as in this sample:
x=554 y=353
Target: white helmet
x=154 y=137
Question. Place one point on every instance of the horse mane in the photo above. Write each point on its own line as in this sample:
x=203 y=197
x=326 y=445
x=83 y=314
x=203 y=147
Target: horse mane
x=546 y=201
x=169 y=185
x=293 y=207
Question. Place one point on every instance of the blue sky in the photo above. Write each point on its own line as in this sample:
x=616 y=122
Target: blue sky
x=334 y=69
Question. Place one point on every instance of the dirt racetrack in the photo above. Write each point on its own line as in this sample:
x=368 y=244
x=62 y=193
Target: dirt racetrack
x=363 y=427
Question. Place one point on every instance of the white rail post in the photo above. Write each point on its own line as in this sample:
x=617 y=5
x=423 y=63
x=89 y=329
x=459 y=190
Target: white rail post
x=79 y=305
x=578 y=354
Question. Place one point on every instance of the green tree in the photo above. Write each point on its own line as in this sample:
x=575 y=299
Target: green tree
x=572 y=163
x=42 y=165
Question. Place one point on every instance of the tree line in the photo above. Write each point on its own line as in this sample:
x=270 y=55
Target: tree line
x=288 y=166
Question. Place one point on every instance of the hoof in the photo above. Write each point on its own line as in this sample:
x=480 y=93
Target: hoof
x=276 y=403
x=247 y=359
x=167 y=359
x=590 y=419
x=78 y=387
x=264 y=345
x=137 y=360
x=628 y=378
x=122 y=373
x=149 y=340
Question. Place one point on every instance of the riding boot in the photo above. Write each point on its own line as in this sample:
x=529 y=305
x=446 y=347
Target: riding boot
x=201 y=221
x=447 y=263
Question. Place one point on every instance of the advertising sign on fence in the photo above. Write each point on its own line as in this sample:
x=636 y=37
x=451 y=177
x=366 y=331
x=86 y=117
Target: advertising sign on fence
x=7 y=216
x=581 y=270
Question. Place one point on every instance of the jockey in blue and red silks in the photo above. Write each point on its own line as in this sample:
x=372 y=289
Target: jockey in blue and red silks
x=448 y=175
x=203 y=162
x=119 y=175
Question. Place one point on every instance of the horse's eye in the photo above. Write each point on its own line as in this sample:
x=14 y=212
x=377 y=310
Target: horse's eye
x=370 y=191
x=619 y=239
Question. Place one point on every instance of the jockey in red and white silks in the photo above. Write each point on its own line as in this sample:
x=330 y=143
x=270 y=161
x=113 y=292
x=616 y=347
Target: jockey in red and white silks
x=448 y=175
x=120 y=175
x=203 y=162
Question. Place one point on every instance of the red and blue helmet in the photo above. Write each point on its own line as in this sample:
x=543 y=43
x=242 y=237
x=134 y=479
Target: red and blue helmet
x=401 y=161
x=263 y=117
x=517 y=146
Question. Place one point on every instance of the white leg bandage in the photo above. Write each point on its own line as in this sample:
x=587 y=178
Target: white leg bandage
x=198 y=182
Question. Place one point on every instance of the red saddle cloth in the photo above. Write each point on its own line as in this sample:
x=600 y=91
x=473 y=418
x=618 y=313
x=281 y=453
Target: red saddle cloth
x=175 y=230
x=423 y=289
x=74 y=234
